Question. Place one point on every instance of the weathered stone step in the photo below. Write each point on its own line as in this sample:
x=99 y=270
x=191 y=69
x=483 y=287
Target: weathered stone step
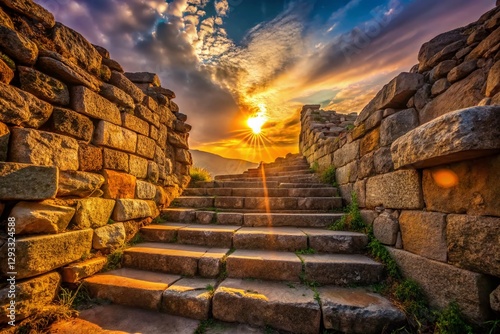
x=263 y=203
x=291 y=219
x=350 y=310
x=284 y=168
x=235 y=184
x=300 y=185
x=211 y=236
x=261 y=192
x=341 y=269
x=175 y=259
x=280 y=179
x=338 y=242
x=130 y=287
x=280 y=306
x=338 y=269
x=300 y=172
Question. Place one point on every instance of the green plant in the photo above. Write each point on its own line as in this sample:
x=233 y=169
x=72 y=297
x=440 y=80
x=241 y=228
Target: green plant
x=199 y=174
x=137 y=239
x=204 y=326
x=306 y=251
x=111 y=221
x=352 y=220
x=114 y=260
x=349 y=127
x=8 y=61
x=450 y=321
x=328 y=176
x=159 y=220
x=315 y=167
x=492 y=327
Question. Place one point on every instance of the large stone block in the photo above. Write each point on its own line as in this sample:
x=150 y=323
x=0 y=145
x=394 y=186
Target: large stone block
x=6 y=73
x=444 y=284
x=68 y=122
x=91 y=104
x=90 y=158
x=71 y=44
x=394 y=95
x=122 y=82
x=18 y=46
x=347 y=153
x=43 y=86
x=474 y=243
x=128 y=209
x=146 y=147
x=183 y=156
x=464 y=187
x=396 y=190
x=43 y=148
x=113 y=136
x=135 y=124
x=118 y=185
x=456 y=136
x=145 y=190
x=144 y=77
x=486 y=46
x=32 y=10
x=116 y=95
x=109 y=236
x=424 y=233
x=36 y=218
x=66 y=71
x=32 y=296
x=138 y=166
x=148 y=115
x=92 y=213
x=81 y=184
x=4 y=141
x=40 y=254
x=462 y=94
x=40 y=111
x=370 y=142
x=27 y=182
x=382 y=160
x=386 y=229
x=17 y=110
x=78 y=271
x=397 y=125
x=189 y=298
x=435 y=45
x=178 y=140
x=117 y=160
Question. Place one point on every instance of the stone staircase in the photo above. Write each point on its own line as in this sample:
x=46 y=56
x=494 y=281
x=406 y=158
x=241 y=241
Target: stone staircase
x=255 y=248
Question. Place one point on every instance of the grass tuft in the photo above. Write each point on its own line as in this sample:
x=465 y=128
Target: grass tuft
x=199 y=174
x=328 y=176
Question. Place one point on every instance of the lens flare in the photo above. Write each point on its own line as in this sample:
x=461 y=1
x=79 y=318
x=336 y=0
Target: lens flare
x=445 y=178
x=256 y=122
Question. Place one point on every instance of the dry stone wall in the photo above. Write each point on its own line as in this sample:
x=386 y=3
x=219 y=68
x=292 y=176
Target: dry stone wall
x=88 y=153
x=423 y=159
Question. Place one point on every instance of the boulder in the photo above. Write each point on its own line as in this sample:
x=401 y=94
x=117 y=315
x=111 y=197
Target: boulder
x=109 y=236
x=43 y=148
x=68 y=122
x=113 y=136
x=32 y=10
x=474 y=243
x=18 y=46
x=39 y=110
x=43 y=86
x=4 y=141
x=456 y=136
x=144 y=77
x=128 y=209
x=121 y=81
x=397 y=125
x=442 y=69
x=393 y=95
x=5 y=20
x=93 y=213
x=27 y=182
x=90 y=158
x=397 y=190
x=386 y=228
x=440 y=86
x=493 y=82
x=44 y=253
x=78 y=271
x=113 y=65
x=67 y=71
x=486 y=47
x=72 y=45
x=462 y=70
x=32 y=296
x=76 y=183
x=443 y=284
x=424 y=233
x=85 y=101
x=36 y=218
x=102 y=51
x=435 y=45
x=118 y=185
x=446 y=53
x=6 y=73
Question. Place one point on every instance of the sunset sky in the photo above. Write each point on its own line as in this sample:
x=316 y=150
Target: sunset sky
x=229 y=59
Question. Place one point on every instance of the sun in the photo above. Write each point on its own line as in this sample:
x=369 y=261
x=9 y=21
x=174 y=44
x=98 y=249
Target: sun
x=257 y=121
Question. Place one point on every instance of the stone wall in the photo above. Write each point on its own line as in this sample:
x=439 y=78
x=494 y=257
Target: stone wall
x=423 y=159
x=88 y=153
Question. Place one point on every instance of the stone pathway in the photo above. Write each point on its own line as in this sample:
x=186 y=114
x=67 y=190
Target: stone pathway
x=253 y=249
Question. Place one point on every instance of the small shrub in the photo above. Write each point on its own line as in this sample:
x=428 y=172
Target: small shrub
x=114 y=260
x=306 y=251
x=199 y=174
x=450 y=321
x=328 y=176
x=352 y=220
x=315 y=167
x=137 y=239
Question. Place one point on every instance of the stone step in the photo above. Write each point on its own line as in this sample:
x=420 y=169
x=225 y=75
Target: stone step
x=338 y=242
x=263 y=203
x=341 y=269
x=301 y=172
x=291 y=219
x=236 y=184
x=260 y=192
x=312 y=178
x=175 y=259
x=210 y=236
x=259 y=303
x=130 y=287
x=338 y=269
x=299 y=185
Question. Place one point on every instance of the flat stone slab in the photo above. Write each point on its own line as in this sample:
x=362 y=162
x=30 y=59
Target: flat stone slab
x=27 y=182
x=121 y=319
x=189 y=297
x=211 y=236
x=271 y=238
x=270 y=265
x=262 y=303
x=180 y=215
x=161 y=232
x=170 y=258
x=194 y=201
x=131 y=287
x=291 y=219
x=341 y=269
x=326 y=241
x=456 y=136
x=351 y=310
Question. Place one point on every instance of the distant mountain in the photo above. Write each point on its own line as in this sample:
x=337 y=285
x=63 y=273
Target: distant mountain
x=218 y=165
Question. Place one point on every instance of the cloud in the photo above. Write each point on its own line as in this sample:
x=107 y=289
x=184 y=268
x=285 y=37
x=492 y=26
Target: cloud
x=221 y=7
